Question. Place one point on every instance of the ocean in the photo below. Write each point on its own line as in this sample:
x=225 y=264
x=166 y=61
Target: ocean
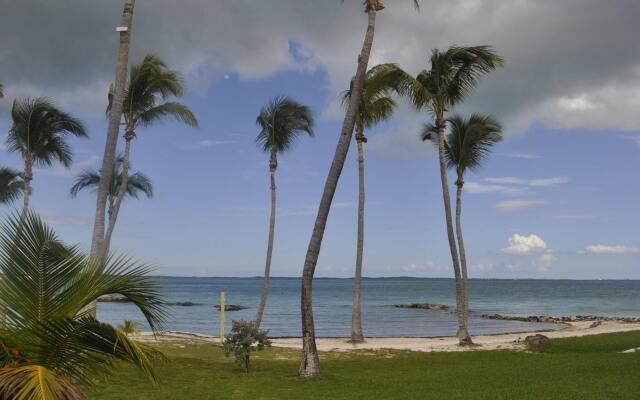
x=332 y=298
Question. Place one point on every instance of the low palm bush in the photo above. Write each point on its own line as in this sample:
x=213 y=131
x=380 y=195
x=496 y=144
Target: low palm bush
x=50 y=344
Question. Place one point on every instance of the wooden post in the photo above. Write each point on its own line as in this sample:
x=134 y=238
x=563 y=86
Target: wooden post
x=221 y=317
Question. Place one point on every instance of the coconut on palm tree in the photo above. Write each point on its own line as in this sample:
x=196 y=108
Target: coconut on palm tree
x=376 y=105
x=11 y=185
x=310 y=364
x=49 y=347
x=39 y=133
x=282 y=121
x=146 y=102
x=115 y=117
x=452 y=75
x=466 y=146
x=137 y=184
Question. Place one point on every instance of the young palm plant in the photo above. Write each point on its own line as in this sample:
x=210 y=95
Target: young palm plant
x=466 y=146
x=453 y=74
x=282 y=121
x=136 y=185
x=50 y=347
x=11 y=185
x=375 y=106
x=39 y=133
x=310 y=363
x=146 y=96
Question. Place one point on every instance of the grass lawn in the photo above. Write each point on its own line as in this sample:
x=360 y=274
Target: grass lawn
x=577 y=368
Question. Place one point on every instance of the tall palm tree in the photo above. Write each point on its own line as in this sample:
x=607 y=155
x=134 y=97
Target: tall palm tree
x=50 y=347
x=467 y=145
x=137 y=184
x=11 y=185
x=282 y=121
x=310 y=364
x=39 y=133
x=150 y=84
x=115 y=116
x=452 y=76
x=375 y=106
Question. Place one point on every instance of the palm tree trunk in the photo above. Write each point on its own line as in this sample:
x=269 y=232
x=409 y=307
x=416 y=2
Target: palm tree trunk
x=463 y=262
x=109 y=157
x=462 y=334
x=28 y=177
x=310 y=365
x=122 y=190
x=272 y=225
x=356 y=317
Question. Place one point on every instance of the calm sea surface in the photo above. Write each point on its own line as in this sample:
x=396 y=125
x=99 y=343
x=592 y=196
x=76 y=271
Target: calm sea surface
x=332 y=304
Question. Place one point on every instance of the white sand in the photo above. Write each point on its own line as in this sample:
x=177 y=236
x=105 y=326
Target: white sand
x=490 y=342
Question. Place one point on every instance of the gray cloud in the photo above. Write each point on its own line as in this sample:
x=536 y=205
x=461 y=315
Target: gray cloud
x=570 y=63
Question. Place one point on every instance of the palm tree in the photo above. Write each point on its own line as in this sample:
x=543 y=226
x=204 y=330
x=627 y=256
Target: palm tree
x=11 y=185
x=282 y=121
x=467 y=145
x=115 y=116
x=50 y=347
x=137 y=184
x=310 y=364
x=150 y=84
x=452 y=75
x=1 y=90
x=39 y=133
x=375 y=106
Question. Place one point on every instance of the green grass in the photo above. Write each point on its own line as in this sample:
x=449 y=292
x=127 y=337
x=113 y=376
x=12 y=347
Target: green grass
x=577 y=368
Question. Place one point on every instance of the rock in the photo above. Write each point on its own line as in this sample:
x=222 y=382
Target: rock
x=184 y=304
x=595 y=324
x=113 y=299
x=231 y=307
x=537 y=342
x=424 y=306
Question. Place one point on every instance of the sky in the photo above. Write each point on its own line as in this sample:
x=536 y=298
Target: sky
x=556 y=199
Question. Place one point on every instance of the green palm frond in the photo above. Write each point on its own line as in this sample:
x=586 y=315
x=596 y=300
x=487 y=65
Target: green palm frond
x=1 y=90
x=40 y=129
x=469 y=141
x=11 y=185
x=282 y=121
x=45 y=289
x=151 y=83
x=137 y=183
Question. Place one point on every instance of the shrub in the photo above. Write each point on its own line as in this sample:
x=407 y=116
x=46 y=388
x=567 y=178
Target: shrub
x=245 y=338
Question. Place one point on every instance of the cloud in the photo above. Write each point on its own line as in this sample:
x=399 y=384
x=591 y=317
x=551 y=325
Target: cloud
x=605 y=249
x=518 y=204
x=520 y=244
x=482 y=188
x=574 y=216
x=528 y=251
x=57 y=219
x=201 y=144
x=536 y=182
x=576 y=88
x=524 y=156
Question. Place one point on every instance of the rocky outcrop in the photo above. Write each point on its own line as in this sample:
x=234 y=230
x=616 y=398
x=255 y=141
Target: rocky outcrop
x=120 y=299
x=424 y=306
x=556 y=320
x=231 y=307
x=537 y=342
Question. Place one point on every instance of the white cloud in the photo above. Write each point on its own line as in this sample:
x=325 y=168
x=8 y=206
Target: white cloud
x=520 y=244
x=57 y=219
x=481 y=188
x=544 y=182
x=606 y=249
x=518 y=204
x=535 y=182
x=524 y=156
x=574 y=216
x=528 y=252
x=201 y=144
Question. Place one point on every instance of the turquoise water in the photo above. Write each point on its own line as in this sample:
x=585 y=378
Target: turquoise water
x=332 y=304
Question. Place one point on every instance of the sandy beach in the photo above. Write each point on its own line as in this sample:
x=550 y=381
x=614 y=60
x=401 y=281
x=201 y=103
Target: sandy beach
x=488 y=342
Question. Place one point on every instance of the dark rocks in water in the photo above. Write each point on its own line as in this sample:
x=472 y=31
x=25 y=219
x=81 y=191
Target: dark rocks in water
x=183 y=304
x=113 y=299
x=424 y=306
x=537 y=342
x=556 y=320
x=231 y=307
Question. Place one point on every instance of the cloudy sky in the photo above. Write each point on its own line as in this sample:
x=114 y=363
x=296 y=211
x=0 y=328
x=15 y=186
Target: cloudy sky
x=557 y=199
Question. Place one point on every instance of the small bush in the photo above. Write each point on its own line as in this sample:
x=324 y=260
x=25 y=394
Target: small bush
x=245 y=338
x=129 y=327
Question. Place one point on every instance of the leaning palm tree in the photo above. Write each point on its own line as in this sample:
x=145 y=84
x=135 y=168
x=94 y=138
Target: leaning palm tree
x=115 y=117
x=49 y=347
x=310 y=364
x=282 y=121
x=452 y=76
x=137 y=184
x=39 y=133
x=11 y=185
x=467 y=145
x=150 y=86
x=376 y=105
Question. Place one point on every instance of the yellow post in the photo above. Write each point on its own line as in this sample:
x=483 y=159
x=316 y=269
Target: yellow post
x=221 y=317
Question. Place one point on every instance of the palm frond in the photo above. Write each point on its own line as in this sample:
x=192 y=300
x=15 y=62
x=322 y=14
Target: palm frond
x=137 y=183
x=11 y=185
x=282 y=121
x=177 y=111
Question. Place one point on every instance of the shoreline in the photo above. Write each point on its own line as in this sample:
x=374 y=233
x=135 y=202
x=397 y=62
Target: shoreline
x=501 y=341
